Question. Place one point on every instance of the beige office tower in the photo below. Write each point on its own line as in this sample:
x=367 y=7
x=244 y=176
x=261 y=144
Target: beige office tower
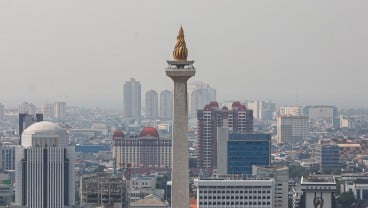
x=151 y=109
x=59 y=110
x=180 y=70
x=166 y=105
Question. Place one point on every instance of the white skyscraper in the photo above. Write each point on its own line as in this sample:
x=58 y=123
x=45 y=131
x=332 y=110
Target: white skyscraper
x=166 y=105
x=132 y=99
x=151 y=105
x=200 y=95
x=59 y=110
x=45 y=167
x=47 y=110
x=28 y=108
x=262 y=110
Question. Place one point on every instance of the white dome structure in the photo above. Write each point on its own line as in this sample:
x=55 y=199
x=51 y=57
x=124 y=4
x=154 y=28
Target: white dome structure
x=45 y=133
x=45 y=167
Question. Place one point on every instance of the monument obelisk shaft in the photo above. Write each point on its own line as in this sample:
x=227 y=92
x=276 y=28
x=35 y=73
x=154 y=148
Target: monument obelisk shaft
x=180 y=70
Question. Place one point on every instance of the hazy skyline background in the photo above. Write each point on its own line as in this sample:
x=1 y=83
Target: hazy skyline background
x=83 y=51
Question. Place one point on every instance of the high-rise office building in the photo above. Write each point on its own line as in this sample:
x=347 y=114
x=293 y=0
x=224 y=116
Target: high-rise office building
x=28 y=108
x=329 y=158
x=239 y=119
x=47 y=109
x=262 y=110
x=59 y=110
x=151 y=105
x=45 y=168
x=132 y=99
x=2 y=109
x=238 y=152
x=166 y=100
x=200 y=94
x=292 y=129
x=26 y=120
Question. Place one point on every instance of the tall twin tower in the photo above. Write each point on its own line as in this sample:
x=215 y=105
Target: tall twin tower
x=180 y=70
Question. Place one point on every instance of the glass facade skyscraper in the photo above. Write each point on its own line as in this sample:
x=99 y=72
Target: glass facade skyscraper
x=329 y=158
x=246 y=150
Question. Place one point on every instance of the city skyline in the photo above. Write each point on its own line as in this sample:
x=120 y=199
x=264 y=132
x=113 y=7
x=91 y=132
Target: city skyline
x=284 y=47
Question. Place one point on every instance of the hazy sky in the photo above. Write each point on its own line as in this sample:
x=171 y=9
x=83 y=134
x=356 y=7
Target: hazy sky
x=82 y=51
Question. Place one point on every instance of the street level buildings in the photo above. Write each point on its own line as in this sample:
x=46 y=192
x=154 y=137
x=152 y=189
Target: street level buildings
x=132 y=99
x=45 y=167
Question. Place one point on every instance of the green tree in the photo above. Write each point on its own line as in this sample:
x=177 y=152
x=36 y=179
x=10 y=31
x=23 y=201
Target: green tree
x=346 y=199
x=297 y=171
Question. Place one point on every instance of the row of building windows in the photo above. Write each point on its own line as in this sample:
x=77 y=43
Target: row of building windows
x=234 y=197
x=232 y=191
x=234 y=203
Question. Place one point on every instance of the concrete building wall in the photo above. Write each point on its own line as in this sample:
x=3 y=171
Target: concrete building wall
x=166 y=102
x=235 y=193
x=292 y=129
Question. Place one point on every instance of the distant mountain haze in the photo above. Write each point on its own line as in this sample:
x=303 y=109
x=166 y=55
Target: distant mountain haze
x=81 y=52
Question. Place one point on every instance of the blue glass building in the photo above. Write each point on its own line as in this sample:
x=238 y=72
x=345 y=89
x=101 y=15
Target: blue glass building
x=92 y=148
x=246 y=150
x=329 y=158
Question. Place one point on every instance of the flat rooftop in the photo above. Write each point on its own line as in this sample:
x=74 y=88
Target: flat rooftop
x=318 y=179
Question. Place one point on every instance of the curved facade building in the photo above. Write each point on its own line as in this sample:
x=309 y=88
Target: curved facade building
x=45 y=167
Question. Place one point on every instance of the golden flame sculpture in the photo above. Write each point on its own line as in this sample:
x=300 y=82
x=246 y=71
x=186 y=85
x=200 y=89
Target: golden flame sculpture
x=180 y=52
